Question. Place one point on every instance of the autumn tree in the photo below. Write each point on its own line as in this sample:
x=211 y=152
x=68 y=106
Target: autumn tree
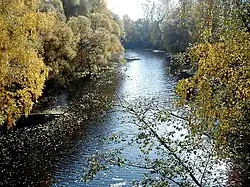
x=23 y=72
x=221 y=64
x=38 y=43
x=58 y=44
x=97 y=41
x=219 y=92
x=76 y=47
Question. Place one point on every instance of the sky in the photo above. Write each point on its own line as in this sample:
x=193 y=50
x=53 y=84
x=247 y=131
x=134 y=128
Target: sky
x=133 y=8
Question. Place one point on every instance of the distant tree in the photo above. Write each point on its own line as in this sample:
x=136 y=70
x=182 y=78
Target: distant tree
x=153 y=29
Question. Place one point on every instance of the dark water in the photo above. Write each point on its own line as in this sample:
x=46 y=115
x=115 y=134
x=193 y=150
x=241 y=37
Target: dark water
x=55 y=154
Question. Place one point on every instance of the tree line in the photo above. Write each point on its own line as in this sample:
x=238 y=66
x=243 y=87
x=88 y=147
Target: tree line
x=51 y=41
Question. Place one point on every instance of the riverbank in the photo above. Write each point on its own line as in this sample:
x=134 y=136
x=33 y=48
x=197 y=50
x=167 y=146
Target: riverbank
x=26 y=151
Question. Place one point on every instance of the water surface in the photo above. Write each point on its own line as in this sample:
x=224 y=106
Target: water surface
x=56 y=153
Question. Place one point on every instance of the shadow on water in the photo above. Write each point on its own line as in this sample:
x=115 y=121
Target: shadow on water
x=25 y=157
x=55 y=153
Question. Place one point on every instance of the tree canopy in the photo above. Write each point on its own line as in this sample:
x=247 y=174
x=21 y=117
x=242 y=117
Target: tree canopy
x=218 y=94
x=23 y=72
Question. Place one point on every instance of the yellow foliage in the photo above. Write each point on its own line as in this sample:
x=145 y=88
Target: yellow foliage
x=96 y=41
x=58 y=47
x=35 y=45
x=100 y=21
x=219 y=92
x=23 y=72
x=81 y=27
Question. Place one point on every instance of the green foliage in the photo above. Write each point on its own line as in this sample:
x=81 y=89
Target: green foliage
x=170 y=155
x=53 y=6
x=181 y=63
x=162 y=27
x=179 y=33
x=85 y=7
x=141 y=34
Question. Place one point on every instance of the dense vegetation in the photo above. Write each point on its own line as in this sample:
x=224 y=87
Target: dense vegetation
x=163 y=26
x=51 y=41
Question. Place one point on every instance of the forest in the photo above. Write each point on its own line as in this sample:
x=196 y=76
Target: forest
x=50 y=43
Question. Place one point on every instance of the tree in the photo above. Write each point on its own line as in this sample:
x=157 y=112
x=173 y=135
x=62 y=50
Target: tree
x=23 y=72
x=71 y=49
x=98 y=39
x=219 y=92
x=53 y=6
x=58 y=48
x=37 y=43
x=160 y=28
x=170 y=155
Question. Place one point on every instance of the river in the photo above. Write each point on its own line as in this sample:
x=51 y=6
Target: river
x=56 y=153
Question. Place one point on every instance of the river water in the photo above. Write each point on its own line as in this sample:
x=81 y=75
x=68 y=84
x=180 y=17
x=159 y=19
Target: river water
x=56 y=153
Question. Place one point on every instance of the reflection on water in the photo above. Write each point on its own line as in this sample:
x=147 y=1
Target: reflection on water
x=145 y=78
x=148 y=76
